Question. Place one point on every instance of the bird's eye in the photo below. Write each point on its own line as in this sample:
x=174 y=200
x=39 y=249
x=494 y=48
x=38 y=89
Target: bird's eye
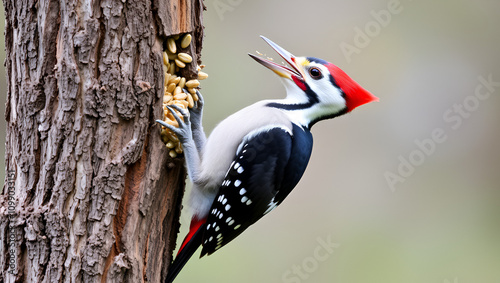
x=315 y=73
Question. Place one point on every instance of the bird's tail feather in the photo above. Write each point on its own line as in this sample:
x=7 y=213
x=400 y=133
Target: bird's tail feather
x=188 y=248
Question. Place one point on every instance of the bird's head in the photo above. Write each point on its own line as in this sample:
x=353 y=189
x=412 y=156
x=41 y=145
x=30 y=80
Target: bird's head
x=317 y=87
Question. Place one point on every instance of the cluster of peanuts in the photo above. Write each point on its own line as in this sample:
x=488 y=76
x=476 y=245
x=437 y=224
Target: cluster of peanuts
x=174 y=85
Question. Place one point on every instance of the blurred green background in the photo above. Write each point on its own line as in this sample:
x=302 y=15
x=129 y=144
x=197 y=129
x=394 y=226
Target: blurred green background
x=442 y=223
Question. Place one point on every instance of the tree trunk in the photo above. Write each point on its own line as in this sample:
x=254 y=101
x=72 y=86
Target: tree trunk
x=91 y=194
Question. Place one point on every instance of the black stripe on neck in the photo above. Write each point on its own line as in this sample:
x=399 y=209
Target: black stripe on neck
x=312 y=98
x=330 y=116
x=290 y=106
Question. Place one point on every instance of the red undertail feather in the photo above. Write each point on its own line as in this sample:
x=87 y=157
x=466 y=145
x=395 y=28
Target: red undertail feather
x=193 y=228
x=188 y=248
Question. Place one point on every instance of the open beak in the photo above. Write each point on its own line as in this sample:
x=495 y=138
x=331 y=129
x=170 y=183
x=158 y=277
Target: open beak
x=282 y=71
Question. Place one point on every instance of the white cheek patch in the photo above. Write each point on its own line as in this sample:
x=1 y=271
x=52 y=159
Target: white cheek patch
x=328 y=94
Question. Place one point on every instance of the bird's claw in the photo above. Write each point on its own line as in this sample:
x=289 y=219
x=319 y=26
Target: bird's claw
x=196 y=111
x=184 y=113
x=183 y=132
x=198 y=105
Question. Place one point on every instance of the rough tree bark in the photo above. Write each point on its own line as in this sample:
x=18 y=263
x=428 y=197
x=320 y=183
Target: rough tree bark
x=91 y=194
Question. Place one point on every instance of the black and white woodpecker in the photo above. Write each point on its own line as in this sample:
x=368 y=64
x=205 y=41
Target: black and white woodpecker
x=255 y=157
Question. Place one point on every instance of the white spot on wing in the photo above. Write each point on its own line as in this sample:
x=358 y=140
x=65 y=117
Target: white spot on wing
x=243 y=191
x=244 y=199
x=237 y=183
x=228 y=207
x=240 y=170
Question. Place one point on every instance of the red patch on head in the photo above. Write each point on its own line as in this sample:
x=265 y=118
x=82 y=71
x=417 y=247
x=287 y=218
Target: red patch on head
x=355 y=94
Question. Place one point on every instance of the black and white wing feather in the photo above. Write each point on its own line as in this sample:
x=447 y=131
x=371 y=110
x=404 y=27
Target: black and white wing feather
x=268 y=164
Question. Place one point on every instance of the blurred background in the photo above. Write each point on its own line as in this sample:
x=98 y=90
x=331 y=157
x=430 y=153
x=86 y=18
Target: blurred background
x=373 y=206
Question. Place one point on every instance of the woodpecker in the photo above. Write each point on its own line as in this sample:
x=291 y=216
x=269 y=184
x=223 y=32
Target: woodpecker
x=254 y=158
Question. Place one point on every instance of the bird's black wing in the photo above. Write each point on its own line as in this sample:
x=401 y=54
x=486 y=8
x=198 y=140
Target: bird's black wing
x=267 y=166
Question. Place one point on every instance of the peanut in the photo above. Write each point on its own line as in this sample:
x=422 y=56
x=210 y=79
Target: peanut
x=175 y=80
x=186 y=41
x=202 y=75
x=182 y=82
x=171 y=45
x=170 y=144
x=192 y=83
x=177 y=90
x=184 y=57
x=173 y=88
x=190 y=100
x=165 y=58
x=172 y=153
x=181 y=96
x=179 y=63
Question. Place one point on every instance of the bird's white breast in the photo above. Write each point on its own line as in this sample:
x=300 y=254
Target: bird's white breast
x=222 y=145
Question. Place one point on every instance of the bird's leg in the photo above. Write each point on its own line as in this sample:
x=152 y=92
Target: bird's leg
x=196 y=123
x=185 y=134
